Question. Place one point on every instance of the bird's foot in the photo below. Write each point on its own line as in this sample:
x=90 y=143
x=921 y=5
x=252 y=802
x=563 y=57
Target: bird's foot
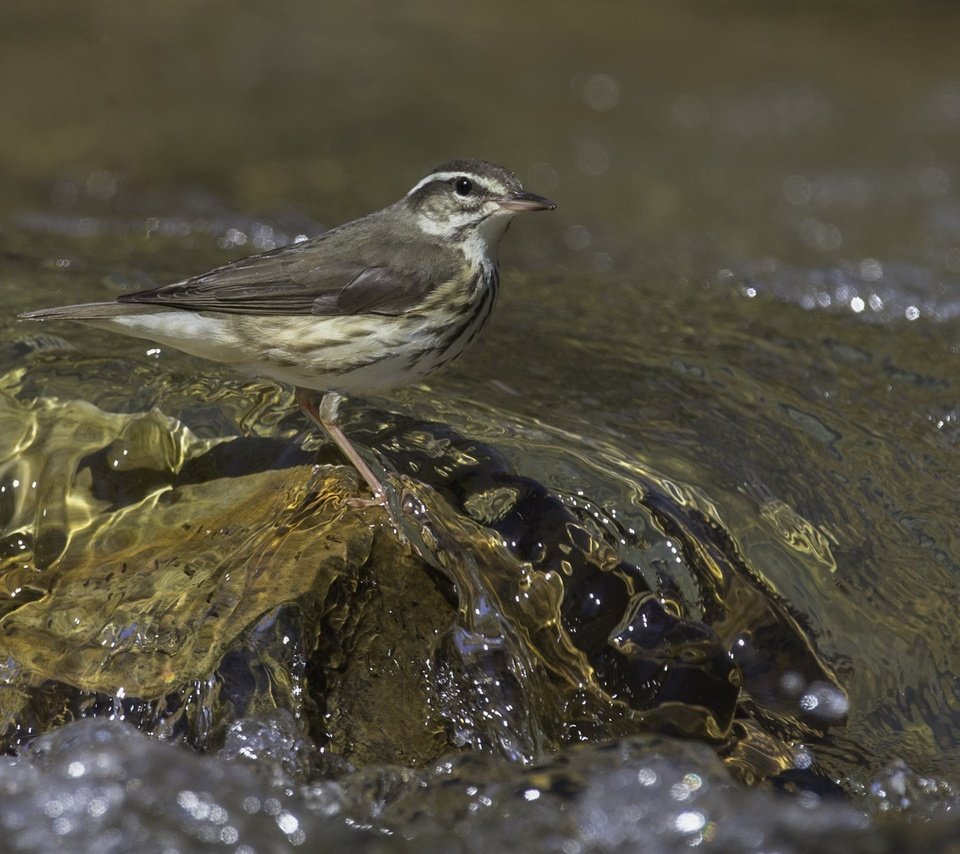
x=327 y=417
x=376 y=500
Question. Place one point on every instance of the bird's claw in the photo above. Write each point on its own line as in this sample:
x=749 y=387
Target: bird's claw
x=377 y=500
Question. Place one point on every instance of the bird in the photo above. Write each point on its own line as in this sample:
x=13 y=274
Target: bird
x=373 y=304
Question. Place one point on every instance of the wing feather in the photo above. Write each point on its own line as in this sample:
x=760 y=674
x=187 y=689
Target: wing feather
x=314 y=278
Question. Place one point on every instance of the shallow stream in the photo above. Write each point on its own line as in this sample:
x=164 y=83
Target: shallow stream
x=677 y=563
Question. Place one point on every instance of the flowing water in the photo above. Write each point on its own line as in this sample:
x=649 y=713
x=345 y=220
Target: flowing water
x=673 y=558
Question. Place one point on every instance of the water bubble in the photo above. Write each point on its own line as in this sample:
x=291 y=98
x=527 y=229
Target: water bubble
x=288 y=822
x=791 y=684
x=593 y=158
x=690 y=822
x=825 y=702
x=233 y=238
x=601 y=92
x=544 y=176
x=577 y=237
x=97 y=807
x=647 y=777
x=871 y=269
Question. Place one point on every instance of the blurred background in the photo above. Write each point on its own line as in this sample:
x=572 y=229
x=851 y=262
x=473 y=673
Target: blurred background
x=687 y=138
x=748 y=294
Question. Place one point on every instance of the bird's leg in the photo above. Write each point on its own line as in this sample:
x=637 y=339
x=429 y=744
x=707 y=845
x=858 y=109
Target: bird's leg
x=327 y=417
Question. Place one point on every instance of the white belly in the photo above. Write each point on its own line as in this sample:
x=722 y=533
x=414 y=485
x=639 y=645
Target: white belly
x=353 y=354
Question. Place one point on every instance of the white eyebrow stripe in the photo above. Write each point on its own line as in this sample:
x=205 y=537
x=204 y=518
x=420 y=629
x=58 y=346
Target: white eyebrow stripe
x=437 y=176
x=449 y=226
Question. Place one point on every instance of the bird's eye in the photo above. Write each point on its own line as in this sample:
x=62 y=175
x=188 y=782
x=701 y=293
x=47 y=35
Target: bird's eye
x=463 y=186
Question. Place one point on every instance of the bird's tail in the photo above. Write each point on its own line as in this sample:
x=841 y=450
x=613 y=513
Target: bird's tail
x=86 y=311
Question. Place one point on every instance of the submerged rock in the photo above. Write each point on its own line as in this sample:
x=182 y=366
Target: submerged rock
x=184 y=583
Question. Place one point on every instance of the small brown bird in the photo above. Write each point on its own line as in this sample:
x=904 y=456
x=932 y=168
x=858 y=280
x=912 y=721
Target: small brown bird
x=370 y=305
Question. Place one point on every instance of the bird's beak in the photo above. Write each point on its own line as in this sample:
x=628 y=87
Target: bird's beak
x=524 y=201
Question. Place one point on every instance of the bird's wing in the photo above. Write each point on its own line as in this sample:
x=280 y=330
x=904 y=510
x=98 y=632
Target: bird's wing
x=299 y=279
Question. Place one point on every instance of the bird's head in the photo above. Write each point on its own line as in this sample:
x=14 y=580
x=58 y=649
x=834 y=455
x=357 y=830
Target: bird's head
x=468 y=199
